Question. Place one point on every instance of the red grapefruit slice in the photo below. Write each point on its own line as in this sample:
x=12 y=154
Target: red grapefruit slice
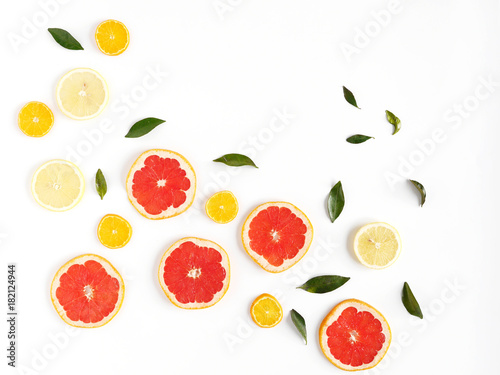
x=87 y=291
x=194 y=273
x=354 y=336
x=161 y=184
x=277 y=235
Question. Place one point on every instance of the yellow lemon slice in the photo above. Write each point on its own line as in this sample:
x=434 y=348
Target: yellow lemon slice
x=58 y=185
x=377 y=245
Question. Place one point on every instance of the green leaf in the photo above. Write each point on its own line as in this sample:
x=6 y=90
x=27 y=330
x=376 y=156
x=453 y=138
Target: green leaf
x=65 y=39
x=336 y=201
x=394 y=120
x=100 y=184
x=410 y=302
x=421 y=190
x=358 y=138
x=299 y=323
x=235 y=160
x=143 y=127
x=348 y=95
x=324 y=284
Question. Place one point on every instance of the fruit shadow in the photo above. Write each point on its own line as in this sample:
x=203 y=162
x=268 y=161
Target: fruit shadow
x=350 y=242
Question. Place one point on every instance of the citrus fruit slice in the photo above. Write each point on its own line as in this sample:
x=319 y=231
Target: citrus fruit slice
x=222 y=207
x=114 y=231
x=82 y=94
x=161 y=184
x=277 y=235
x=194 y=273
x=87 y=291
x=112 y=37
x=266 y=311
x=354 y=336
x=35 y=119
x=58 y=185
x=377 y=245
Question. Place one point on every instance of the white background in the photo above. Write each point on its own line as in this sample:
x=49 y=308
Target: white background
x=229 y=72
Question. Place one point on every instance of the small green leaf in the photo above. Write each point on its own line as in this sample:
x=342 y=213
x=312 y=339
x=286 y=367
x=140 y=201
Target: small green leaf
x=336 y=201
x=65 y=39
x=299 y=323
x=410 y=302
x=421 y=190
x=324 y=284
x=394 y=120
x=358 y=138
x=143 y=127
x=348 y=95
x=235 y=160
x=100 y=184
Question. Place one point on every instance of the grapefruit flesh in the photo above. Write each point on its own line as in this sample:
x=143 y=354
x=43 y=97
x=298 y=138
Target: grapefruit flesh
x=277 y=235
x=194 y=273
x=161 y=184
x=354 y=336
x=87 y=291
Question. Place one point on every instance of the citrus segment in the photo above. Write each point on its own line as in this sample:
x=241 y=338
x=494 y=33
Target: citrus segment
x=35 y=119
x=82 y=94
x=161 y=184
x=194 y=273
x=354 y=336
x=114 y=231
x=377 y=245
x=58 y=185
x=222 y=207
x=277 y=235
x=87 y=291
x=266 y=311
x=112 y=37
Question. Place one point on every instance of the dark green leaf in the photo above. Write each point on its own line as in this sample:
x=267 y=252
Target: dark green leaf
x=65 y=39
x=100 y=184
x=410 y=302
x=358 y=138
x=235 y=160
x=348 y=95
x=143 y=127
x=324 y=284
x=336 y=201
x=421 y=190
x=394 y=120
x=299 y=323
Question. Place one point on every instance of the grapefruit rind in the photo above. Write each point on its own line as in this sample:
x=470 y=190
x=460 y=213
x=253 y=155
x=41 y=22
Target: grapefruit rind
x=202 y=243
x=185 y=165
x=77 y=171
x=259 y=259
x=366 y=227
x=259 y=299
x=81 y=260
x=334 y=314
x=118 y=217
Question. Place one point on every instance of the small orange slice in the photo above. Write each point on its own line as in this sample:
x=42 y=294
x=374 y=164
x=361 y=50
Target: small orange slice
x=222 y=207
x=35 y=119
x=114 y=231
x=266 y=311
x=112 y=37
